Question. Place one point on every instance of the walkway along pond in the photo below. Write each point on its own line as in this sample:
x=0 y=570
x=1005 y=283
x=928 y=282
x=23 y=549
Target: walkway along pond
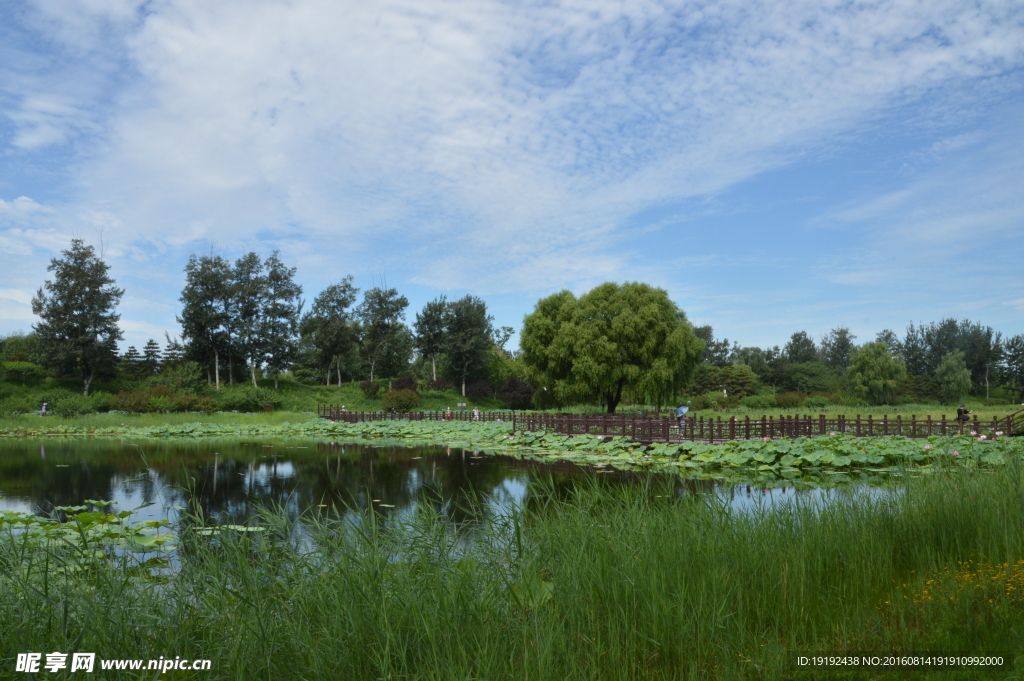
x=649 y=430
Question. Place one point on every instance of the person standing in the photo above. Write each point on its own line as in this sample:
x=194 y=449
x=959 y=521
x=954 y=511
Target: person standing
x=476 y=413
x=962 y=415
x=681 y=417
x=42 y=410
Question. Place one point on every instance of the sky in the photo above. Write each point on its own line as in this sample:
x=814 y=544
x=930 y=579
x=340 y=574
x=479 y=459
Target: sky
x=775 y=165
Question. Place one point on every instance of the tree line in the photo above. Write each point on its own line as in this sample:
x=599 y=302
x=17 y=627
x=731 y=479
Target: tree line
x=245 y=319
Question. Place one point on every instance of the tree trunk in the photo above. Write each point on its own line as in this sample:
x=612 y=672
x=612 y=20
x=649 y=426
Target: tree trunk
x=433 y=364
x=371 y=369
x=87 y=380
x=231 y=371
x=216 y=368
x=986 y=382
x=463 y=387
x=338 y=367
x=252 y=371
x=275 y=380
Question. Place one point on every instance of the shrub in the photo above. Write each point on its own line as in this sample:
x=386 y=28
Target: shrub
x=13 y=406
x=407 y=382
x=789 y=400
x=759 y=402
x=160 y=403
x=186 y=378
x=129 y=401
x=478 y=389
x=515 y=392
x=206 y=405
x=817 y=402
x=56 y=395
x=249 y=398
x=24 y=373
x=370 y=389
x=440 y=385
x=100 y=401
x=71 y=407
x=401 y=400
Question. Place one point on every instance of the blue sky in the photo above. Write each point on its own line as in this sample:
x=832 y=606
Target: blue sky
x=776 y=166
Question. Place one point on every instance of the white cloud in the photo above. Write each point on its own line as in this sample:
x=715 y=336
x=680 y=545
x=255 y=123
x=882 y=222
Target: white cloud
x=506 y=137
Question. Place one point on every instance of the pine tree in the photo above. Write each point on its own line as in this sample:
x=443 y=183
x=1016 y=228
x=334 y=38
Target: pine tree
x=79 y=328
x=151 y=358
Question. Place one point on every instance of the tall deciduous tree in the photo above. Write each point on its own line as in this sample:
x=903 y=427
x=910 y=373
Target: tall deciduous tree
x=387 y=343
x=614 y=337
x=468 y=338
x=282 y=306
x=875 y=372
x=429 y=331
x=716 y=352
x=78 y=331
x=801 y=348
x=953 y=376
x=1013 y=362
x=206 y=314
x=329 y=330
x=248 y=289
x=836 y=347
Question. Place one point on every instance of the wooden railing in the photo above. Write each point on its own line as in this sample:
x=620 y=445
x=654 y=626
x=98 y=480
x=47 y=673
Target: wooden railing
x=335 y=413
x=719 y=430
x=1015 y=423
x=699 y=428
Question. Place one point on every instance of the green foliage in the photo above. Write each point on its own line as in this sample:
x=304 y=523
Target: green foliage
x=79 y=329
x=430 y=332
x=837 y=348
x=18 y=404
x=789 y=400
x=817 y=402
x=401 y=400
x=875 y=373
x=99 y=400
x=73 y=406
x=207 y=309
x=160 y=399
x=370 y=389
x=22 y=373
x=765 y=402
x=515 y=392
x=249 y=399
x=468 y=339
x=185 y=377
x=801 y=349
x=666 y=583
x=609 y=339
x=953 y=377
x=19 y=347
x=330 y=334
x=386 y=342
x=808 y=377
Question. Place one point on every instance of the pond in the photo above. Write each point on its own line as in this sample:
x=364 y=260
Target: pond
x=231 y=479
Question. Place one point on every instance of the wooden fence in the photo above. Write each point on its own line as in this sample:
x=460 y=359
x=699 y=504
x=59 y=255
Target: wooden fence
x=666 y=429
x=335 y=413
x=719 y=430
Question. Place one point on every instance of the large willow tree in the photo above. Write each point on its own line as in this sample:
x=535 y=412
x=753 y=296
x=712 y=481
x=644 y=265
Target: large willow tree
x=613 y=339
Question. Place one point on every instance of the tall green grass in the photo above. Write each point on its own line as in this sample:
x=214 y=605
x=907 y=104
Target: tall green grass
x=597 y=581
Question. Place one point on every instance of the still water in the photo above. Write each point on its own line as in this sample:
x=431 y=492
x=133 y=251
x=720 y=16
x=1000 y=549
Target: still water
x=231 y=479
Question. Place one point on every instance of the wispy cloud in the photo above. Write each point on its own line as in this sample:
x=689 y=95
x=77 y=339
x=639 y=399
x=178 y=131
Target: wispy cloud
x=490 y=146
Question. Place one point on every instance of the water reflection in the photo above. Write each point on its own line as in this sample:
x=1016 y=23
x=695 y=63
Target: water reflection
x=231 y=480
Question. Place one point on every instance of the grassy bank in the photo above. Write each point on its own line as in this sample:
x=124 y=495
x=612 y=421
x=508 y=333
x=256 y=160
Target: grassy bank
x=608 y=582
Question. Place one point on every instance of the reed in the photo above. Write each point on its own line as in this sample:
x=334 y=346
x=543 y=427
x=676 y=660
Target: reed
x=597 y=581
